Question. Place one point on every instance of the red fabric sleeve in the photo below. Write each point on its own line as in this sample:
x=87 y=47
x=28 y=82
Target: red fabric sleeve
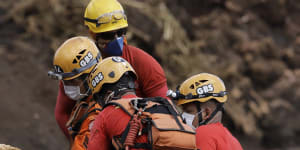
x=109 y=122
x=151 y=77
x=98 y=139
x=162 y=92
x=63 y=109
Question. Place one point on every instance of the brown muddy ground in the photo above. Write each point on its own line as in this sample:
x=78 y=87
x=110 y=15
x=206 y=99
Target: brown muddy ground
x=253 y=45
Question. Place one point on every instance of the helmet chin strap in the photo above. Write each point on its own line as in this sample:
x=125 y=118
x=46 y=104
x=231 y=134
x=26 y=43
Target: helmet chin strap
x=109 y=97
x=200 y=119
x=204 y=122
x=114 y=95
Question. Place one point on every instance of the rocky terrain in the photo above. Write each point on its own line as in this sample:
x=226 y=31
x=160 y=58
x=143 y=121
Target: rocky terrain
x=253 y=45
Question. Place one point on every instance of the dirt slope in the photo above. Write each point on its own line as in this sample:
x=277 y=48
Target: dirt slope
x=253 y=45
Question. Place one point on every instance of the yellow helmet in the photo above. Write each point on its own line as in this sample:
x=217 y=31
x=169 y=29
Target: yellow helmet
x=104 y=15
x=201 y=87
x=109 y=70
x=76 y=56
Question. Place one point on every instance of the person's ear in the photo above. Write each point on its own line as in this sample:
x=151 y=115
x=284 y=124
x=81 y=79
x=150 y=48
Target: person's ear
x=206 y=113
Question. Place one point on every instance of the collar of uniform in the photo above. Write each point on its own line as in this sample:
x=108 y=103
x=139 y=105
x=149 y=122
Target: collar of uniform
x=129 y=96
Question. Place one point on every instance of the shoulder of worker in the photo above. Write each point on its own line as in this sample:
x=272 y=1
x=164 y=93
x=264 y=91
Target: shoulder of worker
x=112 y=116
x=209 y=129
x=110 y=110
x=141 y=61
x=135 y=54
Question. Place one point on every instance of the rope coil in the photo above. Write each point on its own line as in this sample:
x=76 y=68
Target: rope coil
x=135 y=127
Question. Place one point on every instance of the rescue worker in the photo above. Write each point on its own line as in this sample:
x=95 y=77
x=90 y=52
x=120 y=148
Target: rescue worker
x=201 y=98
x=112 y=79
x=127 y=121
x=73 y=61
x=107 y=24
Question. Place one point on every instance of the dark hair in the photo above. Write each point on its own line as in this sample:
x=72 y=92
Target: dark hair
x=123 y=85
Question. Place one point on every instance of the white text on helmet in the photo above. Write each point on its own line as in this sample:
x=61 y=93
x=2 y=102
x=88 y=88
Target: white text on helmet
x=118 y=59
x=205 y=89
x=58 y=69
x=99 y=77
x=86 y=59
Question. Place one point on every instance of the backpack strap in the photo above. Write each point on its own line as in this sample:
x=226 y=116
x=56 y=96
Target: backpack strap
x=131 y=106
x=119 y=142
x=154 y=108
x=170 y=107
x=123 y=104
x=76 y=127
x=78 y=124
x=142 y=145
x=76 y=111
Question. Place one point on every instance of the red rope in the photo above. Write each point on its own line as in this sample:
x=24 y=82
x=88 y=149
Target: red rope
x=135 y=126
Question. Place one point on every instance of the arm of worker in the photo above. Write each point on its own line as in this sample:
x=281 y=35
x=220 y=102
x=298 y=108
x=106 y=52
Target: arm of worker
x=151 y=77
x=161 y=92
x=63 y=109
x=98 y=139
x=111 y=122
x=105 y=125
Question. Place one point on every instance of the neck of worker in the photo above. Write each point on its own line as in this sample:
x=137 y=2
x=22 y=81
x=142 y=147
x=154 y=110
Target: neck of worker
x=216 y=119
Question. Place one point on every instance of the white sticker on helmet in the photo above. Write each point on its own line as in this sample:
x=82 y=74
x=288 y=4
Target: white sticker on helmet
x=118 y=59
x=99 y=77
x=205 y=89
x=86 y=59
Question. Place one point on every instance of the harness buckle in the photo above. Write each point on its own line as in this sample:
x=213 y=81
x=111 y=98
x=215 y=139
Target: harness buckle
x=139 y=104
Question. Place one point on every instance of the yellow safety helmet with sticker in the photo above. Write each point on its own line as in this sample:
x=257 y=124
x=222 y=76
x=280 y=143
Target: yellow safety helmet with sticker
x=108 y=71
x=76 y=56
x=201 y=88
x=104 y=15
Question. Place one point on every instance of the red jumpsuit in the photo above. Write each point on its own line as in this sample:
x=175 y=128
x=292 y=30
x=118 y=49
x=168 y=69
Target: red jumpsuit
x=111 y=122
x=151 y=82
x=216 y=137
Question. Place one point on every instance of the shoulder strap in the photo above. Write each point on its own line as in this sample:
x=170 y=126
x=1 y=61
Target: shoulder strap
x=124 y=104
x=128 y=106
x=76 y=111
x=76 y=127
x=80 y=121
x=170 y=107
